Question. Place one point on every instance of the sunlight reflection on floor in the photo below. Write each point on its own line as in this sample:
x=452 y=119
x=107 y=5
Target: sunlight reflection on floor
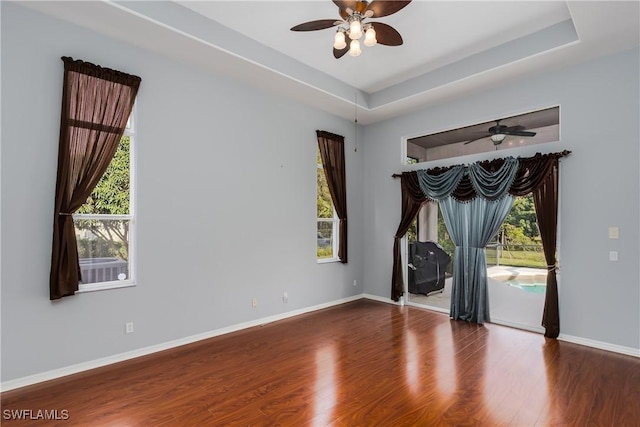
x=325 y=393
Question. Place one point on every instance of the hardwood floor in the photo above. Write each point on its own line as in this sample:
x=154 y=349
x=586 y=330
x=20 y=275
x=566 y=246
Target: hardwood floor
x=363 y=363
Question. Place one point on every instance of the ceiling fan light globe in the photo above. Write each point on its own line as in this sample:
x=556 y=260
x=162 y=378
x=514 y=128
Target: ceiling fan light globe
x=498 y=138
x=370 y=37
x=355 y=29
x=339 y=41
x=354 y=48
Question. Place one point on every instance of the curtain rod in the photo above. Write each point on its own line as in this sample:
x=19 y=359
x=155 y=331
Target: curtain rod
x=560 y=154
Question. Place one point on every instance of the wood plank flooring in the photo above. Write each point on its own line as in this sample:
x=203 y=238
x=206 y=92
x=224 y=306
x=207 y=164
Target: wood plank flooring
x=363 y=363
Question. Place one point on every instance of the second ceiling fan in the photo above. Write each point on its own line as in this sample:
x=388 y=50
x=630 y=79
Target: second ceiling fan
x=499 y=132
x=352 y=26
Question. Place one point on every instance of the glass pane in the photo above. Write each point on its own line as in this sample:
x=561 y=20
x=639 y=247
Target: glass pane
x=412 y=232
x=518 y=243
x=445 y=241
x=325 y=239
x=111 y=195
x=103 y=249
x=324 y=203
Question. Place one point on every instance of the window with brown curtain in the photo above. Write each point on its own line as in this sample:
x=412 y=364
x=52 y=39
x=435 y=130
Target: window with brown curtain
x=331 y=148
x=96 y=104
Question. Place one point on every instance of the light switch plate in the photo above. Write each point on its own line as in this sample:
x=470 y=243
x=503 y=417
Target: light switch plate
x=614 y=232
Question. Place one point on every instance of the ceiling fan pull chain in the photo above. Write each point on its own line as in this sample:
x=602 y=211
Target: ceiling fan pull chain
x=355 y=121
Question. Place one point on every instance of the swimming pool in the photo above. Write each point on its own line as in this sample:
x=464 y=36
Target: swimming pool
x=531 y=287
x=528 y=280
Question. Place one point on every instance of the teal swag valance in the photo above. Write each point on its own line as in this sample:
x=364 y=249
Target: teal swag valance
x=438 y=187
x=490 y=184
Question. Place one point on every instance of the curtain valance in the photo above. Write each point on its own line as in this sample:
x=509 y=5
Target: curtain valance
x=440 y=186
x=489 y=179
x=487 y=183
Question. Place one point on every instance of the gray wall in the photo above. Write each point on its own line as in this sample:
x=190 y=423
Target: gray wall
x=226 y=184
x=599 y=299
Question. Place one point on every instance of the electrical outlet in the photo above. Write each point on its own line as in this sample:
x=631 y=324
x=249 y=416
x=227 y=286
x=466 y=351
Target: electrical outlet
x=128 y=328
x=285 y=297
x=355 y=282
x=254 y=302
x=614 y=233
x=613 y=255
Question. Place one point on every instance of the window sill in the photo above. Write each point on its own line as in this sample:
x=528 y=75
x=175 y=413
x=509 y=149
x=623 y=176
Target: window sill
x=92 y=287
x=327 y=260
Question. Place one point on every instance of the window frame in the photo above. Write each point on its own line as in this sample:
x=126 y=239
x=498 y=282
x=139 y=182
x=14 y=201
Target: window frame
x=130 y=131
x=335 y=224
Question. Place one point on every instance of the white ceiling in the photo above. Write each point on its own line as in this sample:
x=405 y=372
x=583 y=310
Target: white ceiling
x=451 y=48
x=429 y=40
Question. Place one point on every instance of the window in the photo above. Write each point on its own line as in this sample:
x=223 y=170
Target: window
x=535 y=127
x=327 y=231
x=104 y=224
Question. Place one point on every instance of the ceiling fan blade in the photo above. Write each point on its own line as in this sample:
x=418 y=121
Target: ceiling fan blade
x=477 y=139
x=519 y=132
x=339 y=53
x=386 y=34
x=386 y=8
x=342 y=5
x=320 y=24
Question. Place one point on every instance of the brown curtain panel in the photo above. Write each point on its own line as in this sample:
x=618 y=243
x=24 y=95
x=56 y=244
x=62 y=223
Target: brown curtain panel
x=538 y=175
x=545 y=198
x=96 y=104
x=412 y=199
x=332 y=155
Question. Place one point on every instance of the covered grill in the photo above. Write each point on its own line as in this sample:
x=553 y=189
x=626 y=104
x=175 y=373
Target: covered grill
x=427 y=265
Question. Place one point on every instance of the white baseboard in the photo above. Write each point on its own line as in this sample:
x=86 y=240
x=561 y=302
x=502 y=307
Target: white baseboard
x=520 y=326
x=85 y=366
x=381 y=299
x=630 y=351
x=429 y=307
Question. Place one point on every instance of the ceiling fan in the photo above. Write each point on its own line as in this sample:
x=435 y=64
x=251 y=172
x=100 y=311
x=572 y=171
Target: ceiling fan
x=499 y=132
x=353 y=27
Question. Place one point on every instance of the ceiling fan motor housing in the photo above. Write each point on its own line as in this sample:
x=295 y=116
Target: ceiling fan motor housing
x=498 y=129
x=361 y=7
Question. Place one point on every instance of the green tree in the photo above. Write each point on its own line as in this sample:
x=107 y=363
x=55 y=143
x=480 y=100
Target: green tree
x=324 y=203
x=520 y=226
x=523 y=215
x=111 y=195
x=515 y=235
